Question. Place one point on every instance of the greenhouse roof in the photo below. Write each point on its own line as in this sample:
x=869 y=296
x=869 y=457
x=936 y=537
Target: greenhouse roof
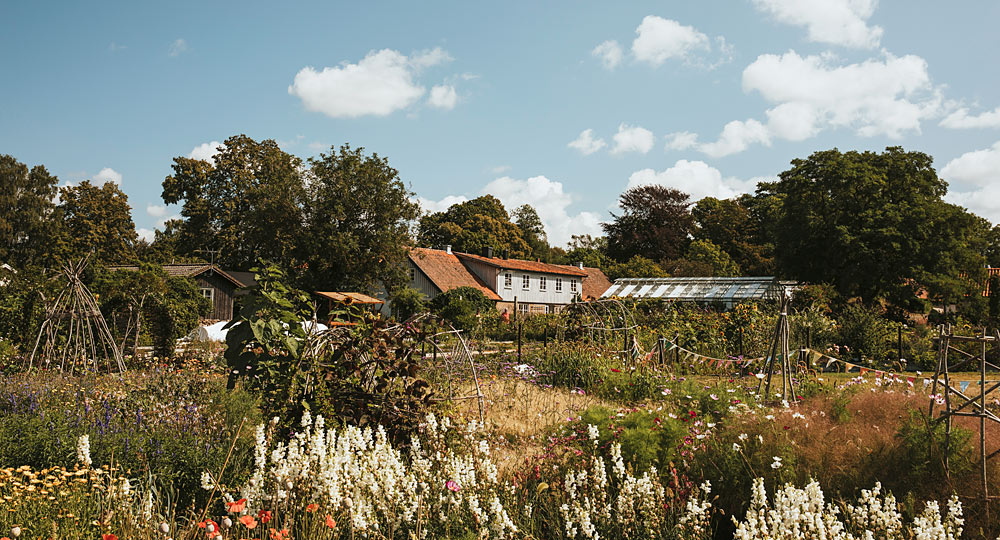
x=699 y=289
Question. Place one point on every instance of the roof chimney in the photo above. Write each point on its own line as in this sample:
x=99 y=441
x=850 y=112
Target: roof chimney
x=506 y=254
x=579 y=265
x=488 y=252
x=447 y=249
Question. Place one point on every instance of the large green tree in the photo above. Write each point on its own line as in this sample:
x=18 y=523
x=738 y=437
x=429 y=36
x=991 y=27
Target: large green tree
x=533 y=231
x=27 y=208
x=655 y=223
x=98 y=219
x=730 y=225
x=245 y=204
x=874 y=226
x=472 y=226
x=357 y=214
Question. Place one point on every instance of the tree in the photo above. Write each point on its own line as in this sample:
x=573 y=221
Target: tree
x=655 y=223
x=97 y=219
x=357 y=215
x=472 y=226
x=704 y=258
x=636 y=267
x=533 y=231
x=246 y=204
x=730 y=225
x=27 y=208
x=590 y=251
x=462 y=306
x=875 y=226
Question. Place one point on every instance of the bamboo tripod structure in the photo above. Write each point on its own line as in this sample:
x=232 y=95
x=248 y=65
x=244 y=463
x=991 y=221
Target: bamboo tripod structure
x=74 y=335
x=976 y=403
x=779 y=350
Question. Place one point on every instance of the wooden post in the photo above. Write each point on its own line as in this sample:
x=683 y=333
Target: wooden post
x=899 y=342
x=982 y=416
x=659 y=343
x=677 y=349
x=519 y=342
x=625 y=347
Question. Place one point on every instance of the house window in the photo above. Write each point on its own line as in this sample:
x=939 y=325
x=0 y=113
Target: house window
x=522 y=308
x=572 y=285
x=525 y=282
x=541 y=283
x=208 y=292
x=508 y=281
x=413 y=274
x=558 y=284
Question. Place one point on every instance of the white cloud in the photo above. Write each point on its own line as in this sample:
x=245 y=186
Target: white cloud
x=696 y=178
x=633 y=139
x=837 y=22
x=586 y=143
x=442 y=205
x=681 y=140
x=552 y=204
x=500 y=169
x=106 y=175
x=737 y=136
x=156 y=210
x=980 y=167
x=890 y=96
x=443 y=96
x=660 y=39
x=979 y=172
x=610 y=52
x=380 y=84
x=961 y=119
x=177 y=48
x=205 y=151
x=146 y=234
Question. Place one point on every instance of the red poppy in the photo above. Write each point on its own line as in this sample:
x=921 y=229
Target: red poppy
x=330 y=522
x=264 y=516
x=108 y=537
x=312 y=507
x=248 y=522
x=236 y=506
x=280 y=535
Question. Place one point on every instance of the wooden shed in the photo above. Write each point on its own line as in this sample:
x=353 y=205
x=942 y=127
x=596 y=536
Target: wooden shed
x=216 y=284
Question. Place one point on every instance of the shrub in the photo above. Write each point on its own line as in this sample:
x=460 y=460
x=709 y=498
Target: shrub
x=463 y=307
x=865 y=331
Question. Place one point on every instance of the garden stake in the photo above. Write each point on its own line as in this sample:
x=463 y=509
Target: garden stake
x=215 y=484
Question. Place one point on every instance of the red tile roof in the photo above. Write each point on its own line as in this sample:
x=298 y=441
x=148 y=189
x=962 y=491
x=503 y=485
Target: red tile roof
x=526 y=266
x=446 y=272
x=595 y=283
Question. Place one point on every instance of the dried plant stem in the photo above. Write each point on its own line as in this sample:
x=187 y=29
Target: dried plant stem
x=215 y=484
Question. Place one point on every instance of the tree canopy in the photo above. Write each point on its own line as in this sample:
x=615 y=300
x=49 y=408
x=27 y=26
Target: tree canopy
x=655 y=223
x=472 y=226
x=874 y=226
x=27 y=205
x=98 y=219
x=730 y=225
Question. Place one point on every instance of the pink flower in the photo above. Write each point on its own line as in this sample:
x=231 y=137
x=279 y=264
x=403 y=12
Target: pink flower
x=452 y=485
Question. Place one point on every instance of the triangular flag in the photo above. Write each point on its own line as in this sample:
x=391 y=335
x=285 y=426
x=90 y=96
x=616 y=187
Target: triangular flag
x=927 y=383
x=864 y=370
x=911 y=380
x=963 y=385
x=849 y=365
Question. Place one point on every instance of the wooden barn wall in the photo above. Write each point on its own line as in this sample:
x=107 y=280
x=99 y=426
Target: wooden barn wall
x=222 y=302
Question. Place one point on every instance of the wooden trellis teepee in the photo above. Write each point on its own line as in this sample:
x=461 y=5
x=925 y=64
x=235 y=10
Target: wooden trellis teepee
x=779 y=352
x=74 y=336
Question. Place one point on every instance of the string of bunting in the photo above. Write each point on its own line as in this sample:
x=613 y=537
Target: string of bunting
x=816 y=356
x=693 y=357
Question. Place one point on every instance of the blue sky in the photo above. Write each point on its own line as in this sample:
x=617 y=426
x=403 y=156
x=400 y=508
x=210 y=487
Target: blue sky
x=466 y=98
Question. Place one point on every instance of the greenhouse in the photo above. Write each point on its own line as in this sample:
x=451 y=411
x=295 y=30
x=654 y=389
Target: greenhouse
x=725 y=290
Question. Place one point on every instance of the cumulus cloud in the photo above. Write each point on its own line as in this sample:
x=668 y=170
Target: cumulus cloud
x=205 y=151
x=106 y=175
x=961 y=119
x=156 y=210
x=443 y=96
x=551 y=202
x=610 y=53
x=586 y=143
x=146 y=234
x=681 y=140
x=381 y=83
x=633 y=139
x=696 y=178
x=439 y=206
x=975 y=181
x=177 y=48
x=890 y=96
x=837 y=22
x=658 y=39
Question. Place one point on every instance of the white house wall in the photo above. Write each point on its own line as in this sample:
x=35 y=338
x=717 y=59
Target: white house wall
x=534 y=294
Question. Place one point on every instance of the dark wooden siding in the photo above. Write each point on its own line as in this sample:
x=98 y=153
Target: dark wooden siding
x=222 y=296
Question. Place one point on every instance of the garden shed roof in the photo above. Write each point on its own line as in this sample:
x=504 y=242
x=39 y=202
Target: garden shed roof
x=349 y=297
x=187 y=270
x=699 y=289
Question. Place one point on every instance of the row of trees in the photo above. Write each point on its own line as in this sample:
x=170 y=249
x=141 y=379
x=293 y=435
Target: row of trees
x=872 y=225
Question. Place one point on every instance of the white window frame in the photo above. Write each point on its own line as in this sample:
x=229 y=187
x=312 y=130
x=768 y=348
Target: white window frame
x=542 y=283
x=508 y=281
x=572 y=285
x=210 y=295
x=522 y=308
x=526 y=282
x=558 y=284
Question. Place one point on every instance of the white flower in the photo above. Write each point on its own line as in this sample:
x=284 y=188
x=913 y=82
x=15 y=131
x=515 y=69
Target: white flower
x=776 y=464
x=83 y=451
x=742 y=437
x=736 y=447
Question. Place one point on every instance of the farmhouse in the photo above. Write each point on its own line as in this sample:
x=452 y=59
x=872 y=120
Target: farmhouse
x=514 y=284
x=216 y=284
